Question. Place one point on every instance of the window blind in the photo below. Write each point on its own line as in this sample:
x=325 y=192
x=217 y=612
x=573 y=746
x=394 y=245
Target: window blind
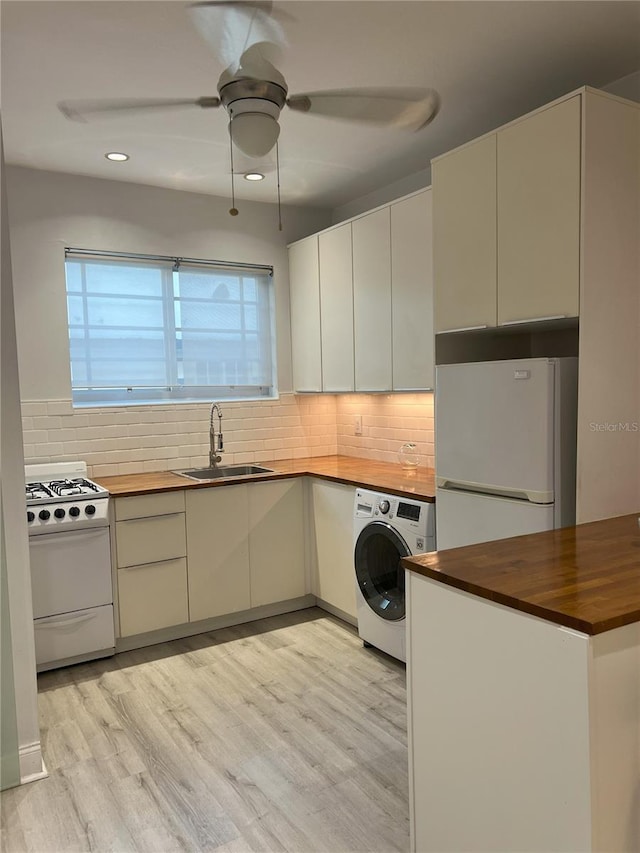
x=152 y=328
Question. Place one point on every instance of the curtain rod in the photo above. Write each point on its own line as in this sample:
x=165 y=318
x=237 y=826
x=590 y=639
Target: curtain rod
x=175 y=260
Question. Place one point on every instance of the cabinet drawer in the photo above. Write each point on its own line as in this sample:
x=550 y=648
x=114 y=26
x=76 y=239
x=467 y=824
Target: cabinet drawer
x=149 y=540
x=142 y=506
x=73 y=634
x=152 y=596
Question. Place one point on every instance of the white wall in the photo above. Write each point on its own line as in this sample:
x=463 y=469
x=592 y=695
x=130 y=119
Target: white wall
x=14 y=524
x=390 y=192
x=50 y=210
x=626 y=87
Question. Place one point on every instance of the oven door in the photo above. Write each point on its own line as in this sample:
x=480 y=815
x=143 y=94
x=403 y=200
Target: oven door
x=70 y=571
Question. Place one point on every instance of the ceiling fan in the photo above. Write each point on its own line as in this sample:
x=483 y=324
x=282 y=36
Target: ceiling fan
x=247 y=36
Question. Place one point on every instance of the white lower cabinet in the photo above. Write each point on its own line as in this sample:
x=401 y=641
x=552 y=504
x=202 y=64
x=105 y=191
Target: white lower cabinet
x=152 y=596
x=218 y=548
x=150 y=557
x=333 y=576
x=276 y=541
x=188 y=556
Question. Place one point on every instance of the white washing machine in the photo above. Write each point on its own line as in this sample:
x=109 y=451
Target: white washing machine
x=387 y=528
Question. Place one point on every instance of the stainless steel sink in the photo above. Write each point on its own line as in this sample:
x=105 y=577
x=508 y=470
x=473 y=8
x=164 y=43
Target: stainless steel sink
x=223 y=472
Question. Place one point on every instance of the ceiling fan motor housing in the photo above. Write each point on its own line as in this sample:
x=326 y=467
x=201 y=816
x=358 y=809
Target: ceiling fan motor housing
x=254 y=108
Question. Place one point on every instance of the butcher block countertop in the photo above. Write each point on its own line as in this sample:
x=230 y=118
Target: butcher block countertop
x=585 y=577
x=379 y=476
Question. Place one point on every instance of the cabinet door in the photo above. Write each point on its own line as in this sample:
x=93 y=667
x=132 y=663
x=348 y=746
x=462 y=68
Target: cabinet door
x=412 y=293
x=334 y=580
x=276 y=541
x=372 y=301
x=464 y=237
x=539 y=215
x=336 y=309
x=304 y=286
x=152 y=596
x=217 y=531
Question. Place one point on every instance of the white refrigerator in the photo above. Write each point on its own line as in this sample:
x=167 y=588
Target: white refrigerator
x=505 y=445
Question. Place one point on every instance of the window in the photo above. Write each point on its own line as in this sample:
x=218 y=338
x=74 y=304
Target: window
x=154 y=329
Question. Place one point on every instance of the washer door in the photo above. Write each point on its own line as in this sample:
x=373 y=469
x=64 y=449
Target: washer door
x=380 y=576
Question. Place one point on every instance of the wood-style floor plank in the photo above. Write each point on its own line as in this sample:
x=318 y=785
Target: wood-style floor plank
x=279 y=735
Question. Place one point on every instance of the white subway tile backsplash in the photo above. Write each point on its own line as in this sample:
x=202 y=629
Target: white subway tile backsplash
x=143 y=438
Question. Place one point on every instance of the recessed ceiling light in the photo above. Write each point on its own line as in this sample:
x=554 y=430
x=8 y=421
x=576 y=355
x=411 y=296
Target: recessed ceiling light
x=117 y=156
x=254 y=176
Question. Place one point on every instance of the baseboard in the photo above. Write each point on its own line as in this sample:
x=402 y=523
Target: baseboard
x=189 y=629
x=31 y=763
x=335 y=611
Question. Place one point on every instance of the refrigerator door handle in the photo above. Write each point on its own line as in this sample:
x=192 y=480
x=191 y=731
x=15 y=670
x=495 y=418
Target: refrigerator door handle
x=498 y=491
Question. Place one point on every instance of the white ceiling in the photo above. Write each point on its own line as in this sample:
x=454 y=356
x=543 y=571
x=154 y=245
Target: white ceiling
x=490 y=61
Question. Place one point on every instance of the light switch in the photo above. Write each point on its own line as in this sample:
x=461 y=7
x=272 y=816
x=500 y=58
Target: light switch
x=358 y=425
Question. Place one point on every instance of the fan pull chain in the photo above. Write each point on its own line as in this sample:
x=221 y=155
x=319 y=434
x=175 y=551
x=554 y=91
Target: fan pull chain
x=278 y=176
x=233 y=210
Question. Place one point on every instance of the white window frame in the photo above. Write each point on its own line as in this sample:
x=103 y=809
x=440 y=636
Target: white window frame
x=175 y=391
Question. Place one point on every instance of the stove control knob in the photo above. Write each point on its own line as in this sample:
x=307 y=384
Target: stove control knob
x=59 y=513
x=90 y=509
x=30 y=516
x=384 y=507
x=74 y=512
x=44 y=514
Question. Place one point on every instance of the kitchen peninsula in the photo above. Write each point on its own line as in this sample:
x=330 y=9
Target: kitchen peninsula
x=524 y=692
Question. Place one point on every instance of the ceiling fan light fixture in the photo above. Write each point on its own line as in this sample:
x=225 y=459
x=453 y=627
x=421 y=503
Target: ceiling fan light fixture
x=255 y=134
x=116 y=156
x=253 y=176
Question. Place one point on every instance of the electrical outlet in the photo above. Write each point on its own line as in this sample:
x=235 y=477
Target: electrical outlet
x=358 y=425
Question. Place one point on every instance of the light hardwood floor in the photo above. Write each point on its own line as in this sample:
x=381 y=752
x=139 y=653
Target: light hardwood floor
x=283 y=734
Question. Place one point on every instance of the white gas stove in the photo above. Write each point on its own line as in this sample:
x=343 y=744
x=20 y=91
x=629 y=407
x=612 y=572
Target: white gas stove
x=70 y=554
x=60 y=497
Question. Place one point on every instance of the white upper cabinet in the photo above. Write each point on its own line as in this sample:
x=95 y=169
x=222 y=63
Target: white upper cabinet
x=304 y=278
x=507 y=223
x=362 y=302
x=539 y=215
x=336 y=309
x=372 y=301
x=464 y=237
x=412 y=293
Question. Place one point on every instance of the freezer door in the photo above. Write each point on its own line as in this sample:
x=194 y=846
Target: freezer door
x=464 y=518
x=495 y=426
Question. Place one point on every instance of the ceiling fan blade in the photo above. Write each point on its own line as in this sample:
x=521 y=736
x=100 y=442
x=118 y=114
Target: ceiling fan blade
x=409 y=109
x=231 y=27
x=86 y=110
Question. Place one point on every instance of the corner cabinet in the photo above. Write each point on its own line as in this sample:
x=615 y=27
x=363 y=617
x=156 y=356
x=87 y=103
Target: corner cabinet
x=507 y=223
x=362 y=302
x=304 y=276
x=277 y=562
x=246 y=546
x=218 y=547
x=333 y=572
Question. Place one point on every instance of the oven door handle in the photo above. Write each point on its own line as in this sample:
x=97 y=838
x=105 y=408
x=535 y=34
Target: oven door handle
x=89 y=533
x=64 y=623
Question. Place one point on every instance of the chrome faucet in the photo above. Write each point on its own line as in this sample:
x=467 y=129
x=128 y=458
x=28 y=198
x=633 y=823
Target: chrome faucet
x=214 y=450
